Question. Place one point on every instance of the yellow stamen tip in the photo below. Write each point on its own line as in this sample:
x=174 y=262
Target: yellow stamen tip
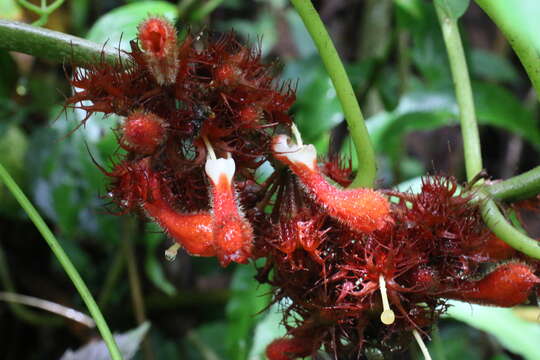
x=388 y=317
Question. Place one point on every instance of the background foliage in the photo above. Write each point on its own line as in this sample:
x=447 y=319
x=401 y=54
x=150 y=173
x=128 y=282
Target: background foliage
x=396 y=59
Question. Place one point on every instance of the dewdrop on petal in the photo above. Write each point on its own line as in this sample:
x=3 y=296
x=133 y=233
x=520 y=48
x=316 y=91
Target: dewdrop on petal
x=364 y=210
x=158 y=40
x=232 y=233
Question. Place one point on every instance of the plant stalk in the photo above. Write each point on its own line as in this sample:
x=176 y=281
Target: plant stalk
x=493 y=217
x=64 y=260
x=367 y=170
x=53 y=45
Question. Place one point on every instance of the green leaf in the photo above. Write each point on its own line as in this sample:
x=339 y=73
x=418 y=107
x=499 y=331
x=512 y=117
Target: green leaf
x=122 y=22
x=13 y=147
x=490 y=66
x=152 y=265
x=518 y=336
x=498 y=107
x=9 y=71
x=266 y=331
x=454 y=9
x=248 y=298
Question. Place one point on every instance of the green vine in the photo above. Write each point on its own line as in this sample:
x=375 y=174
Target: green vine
x=367 y=169
x=493 y=217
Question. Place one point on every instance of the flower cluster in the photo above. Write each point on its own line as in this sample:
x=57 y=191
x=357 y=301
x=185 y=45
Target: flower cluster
x=202 y=115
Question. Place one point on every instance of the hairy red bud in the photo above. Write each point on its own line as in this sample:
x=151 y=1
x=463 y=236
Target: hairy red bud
x=158 y=40
x=143 y=133
x=289 y=349
x=508 y=285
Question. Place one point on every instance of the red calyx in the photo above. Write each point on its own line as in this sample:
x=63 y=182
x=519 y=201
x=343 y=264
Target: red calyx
x=508 y=285
x=289 y=348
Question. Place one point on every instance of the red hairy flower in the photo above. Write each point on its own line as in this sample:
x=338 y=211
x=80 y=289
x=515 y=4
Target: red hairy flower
x=357 y=271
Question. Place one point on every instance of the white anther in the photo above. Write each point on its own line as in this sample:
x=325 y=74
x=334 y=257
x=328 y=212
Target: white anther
x=170 y=253
x=422 y=345
x=387 y=316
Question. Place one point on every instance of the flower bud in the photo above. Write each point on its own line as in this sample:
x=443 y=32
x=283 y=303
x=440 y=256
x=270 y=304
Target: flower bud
x=143 y=133
x=508 y=285
x=157 y=37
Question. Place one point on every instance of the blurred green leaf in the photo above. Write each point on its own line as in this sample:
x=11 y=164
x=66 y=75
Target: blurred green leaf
x=9 y=71
x=66 y=184
x=518 y=336
x=248 y=298
x=152 y=266
x=10 y=10
x=122 y=22
x=454 y=9
x=266 y=331
x=497 y=106
x=265 y=23
x=490 y=66
x=206 y=342
x=13 y=147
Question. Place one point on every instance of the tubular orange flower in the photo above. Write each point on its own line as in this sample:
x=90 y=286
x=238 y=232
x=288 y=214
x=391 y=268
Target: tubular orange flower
x=363 y=210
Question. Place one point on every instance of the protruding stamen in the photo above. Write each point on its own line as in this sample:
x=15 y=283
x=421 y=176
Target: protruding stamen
x=422 y=345
x=170 y=253
x=387 y=316
x=297 y=135
x=209 y=148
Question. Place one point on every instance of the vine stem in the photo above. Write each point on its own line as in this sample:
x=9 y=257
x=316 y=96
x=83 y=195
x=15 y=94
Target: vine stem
x=518 y=187
x=64 y=260
x=367 y=170
x=54 y=45
x=509 y=17
x=493 y=217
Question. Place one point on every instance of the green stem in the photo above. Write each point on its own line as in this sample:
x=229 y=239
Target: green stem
x=519 y=25
x=53 y=45
x=471 y=140
x=367 y=170
x=66 y=263
x=518 y=187
x=464 y=96
x=496 y=221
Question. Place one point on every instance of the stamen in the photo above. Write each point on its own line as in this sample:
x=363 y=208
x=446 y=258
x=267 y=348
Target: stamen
x=387 y=316
x=170 y=253
x=209 y=148
x=422 y=345
x=297 y=135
